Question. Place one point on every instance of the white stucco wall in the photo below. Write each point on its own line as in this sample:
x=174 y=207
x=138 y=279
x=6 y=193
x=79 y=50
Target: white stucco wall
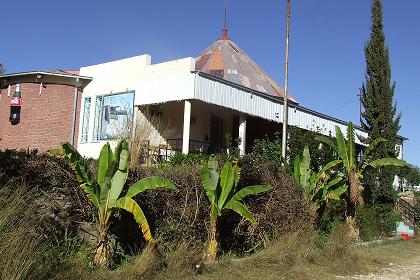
x=108 y=78
x=168 y=81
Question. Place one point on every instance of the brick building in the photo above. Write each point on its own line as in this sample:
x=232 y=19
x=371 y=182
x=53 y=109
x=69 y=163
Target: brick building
x=49 y=112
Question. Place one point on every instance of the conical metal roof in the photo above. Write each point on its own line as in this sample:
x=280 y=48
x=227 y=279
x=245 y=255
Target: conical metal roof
x=224 y=59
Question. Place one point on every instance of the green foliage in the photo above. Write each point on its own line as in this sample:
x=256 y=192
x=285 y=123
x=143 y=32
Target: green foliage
x=270 y=149
x=221 y=189
x=192 y=158
x=331 y=214
x=300 y=138
x=64 y=211
x=379 y=118
x=175 y=216
x=374 y=222
x=352 y=170
x=318 y=187
x=233 y=146
x=107 y=192
x=411 y=174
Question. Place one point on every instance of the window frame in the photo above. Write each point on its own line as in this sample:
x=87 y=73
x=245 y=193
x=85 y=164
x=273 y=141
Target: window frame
x=99 y=115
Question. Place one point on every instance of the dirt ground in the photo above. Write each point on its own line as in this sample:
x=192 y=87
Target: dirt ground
x=403 y=262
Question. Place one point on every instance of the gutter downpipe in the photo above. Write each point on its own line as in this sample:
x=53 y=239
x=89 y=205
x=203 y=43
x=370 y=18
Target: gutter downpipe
x=73 y=127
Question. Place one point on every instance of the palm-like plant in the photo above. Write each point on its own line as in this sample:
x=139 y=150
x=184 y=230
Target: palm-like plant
x=222 y=195
x=107 y=192
x=317 y=186
x=352 y=169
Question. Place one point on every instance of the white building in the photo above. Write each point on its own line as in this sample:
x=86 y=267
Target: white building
x=190 y=103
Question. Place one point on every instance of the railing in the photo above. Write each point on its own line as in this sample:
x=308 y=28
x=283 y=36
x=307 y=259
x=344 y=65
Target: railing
x=195 y=146
x=409 y=212
x=163 y=152
x=155 y=153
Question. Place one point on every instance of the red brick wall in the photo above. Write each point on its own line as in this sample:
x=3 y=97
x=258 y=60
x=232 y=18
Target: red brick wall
x=45 y=120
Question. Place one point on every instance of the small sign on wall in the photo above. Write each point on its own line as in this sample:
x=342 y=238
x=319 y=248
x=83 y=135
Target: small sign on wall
x=16 y=101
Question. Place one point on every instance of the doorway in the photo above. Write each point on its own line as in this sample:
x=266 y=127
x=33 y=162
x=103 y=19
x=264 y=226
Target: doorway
x=216 y=134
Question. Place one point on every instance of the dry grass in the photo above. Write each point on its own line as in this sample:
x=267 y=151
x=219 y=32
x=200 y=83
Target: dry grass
x=300 y=255
x=21 y=249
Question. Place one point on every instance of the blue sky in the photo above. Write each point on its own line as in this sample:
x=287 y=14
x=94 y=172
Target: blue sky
x=326 y=45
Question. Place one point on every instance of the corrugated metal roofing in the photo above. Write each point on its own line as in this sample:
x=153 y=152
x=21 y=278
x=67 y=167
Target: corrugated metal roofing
x=224 y=59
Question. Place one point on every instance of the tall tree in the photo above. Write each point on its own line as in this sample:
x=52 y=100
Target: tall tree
x=1 y=68
x=379 y=118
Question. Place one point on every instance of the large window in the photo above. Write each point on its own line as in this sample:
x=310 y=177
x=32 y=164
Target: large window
x=85 y=120
x=113 y=116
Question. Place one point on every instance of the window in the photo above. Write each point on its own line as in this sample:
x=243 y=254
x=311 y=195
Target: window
x=85 y=120
x=98 y=116
x=113 y=116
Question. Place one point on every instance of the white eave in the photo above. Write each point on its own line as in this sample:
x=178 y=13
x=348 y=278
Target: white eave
x=44 y=77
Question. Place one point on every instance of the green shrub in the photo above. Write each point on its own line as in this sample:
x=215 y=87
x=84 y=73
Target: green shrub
x=269 y=149
x=330 y=215
x=180 y=158
x=183 y=215
x=375 y=222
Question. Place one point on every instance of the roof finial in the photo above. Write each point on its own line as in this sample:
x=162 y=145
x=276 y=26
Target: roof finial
x=224 y=30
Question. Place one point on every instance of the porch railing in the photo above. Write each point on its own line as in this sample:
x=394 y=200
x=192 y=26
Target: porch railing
x=163 y=152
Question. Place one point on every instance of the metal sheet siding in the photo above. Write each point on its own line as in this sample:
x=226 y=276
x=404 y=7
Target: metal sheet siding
x=309 y=121
x=226 y=95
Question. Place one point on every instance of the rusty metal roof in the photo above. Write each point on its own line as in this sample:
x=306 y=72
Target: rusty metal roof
x=224 y=59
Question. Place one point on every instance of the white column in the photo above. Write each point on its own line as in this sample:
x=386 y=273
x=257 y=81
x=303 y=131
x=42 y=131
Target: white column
x=186 y=132
x=242 y=134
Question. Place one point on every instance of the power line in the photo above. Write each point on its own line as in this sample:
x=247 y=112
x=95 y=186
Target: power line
x=332 y=34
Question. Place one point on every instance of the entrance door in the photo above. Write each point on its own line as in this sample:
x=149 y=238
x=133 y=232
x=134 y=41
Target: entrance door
x=216 y=134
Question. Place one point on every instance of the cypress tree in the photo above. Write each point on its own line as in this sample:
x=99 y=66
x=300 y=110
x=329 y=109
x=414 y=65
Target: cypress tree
x=379 y=117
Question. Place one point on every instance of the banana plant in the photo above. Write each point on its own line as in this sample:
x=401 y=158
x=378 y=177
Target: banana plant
x=318 y=187
x=107 y=191
x=222 y=195
x=351 y=169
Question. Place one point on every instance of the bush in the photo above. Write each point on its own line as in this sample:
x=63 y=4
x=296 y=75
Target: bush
x=270 y=149
x=281 y=210
x=299 y=138
x=62 y=208
x=183 y=215
x=375 y=222
x=60 y=203
x=331 y=214
x=180 y=158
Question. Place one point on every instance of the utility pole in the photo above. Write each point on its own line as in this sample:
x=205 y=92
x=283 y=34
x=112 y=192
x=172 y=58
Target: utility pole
x=225 y=13
x=360 y=105
x=286 y=79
